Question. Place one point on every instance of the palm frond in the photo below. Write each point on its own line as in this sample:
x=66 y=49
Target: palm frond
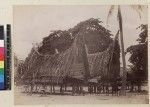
x=110 y=12
x=138 y=8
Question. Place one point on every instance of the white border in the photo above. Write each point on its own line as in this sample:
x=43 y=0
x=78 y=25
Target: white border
x=6 y=97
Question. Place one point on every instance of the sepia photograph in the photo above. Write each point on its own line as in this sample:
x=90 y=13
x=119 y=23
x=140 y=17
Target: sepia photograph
x=80 y=54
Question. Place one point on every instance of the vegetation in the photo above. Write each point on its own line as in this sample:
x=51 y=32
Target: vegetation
x=139 y=58
x=97 y=38
x=138 y=8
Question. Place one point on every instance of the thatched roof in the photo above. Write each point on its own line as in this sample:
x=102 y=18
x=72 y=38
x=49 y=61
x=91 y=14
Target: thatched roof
x=69 y=61
x=66 y=64
x=97 y=38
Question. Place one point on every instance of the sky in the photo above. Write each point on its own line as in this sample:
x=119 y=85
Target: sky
x=32 y=23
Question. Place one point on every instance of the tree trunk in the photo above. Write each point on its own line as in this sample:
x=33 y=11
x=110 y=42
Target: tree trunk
x=123 y=54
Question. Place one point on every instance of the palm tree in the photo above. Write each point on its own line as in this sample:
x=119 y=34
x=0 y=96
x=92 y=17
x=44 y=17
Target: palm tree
x=138 y=8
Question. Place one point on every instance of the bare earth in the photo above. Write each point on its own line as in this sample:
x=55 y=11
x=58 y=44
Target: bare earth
x=37 y=99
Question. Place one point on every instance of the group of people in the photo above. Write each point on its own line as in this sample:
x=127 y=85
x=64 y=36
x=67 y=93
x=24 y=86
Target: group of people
x=78 y=87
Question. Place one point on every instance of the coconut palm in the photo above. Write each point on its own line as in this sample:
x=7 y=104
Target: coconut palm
x=138 y=8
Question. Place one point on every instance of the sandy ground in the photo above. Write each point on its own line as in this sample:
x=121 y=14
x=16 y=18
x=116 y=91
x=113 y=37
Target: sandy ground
x=37 y=99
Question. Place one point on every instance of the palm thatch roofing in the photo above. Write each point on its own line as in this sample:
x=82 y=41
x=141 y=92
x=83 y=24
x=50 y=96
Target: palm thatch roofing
x=68 y=61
